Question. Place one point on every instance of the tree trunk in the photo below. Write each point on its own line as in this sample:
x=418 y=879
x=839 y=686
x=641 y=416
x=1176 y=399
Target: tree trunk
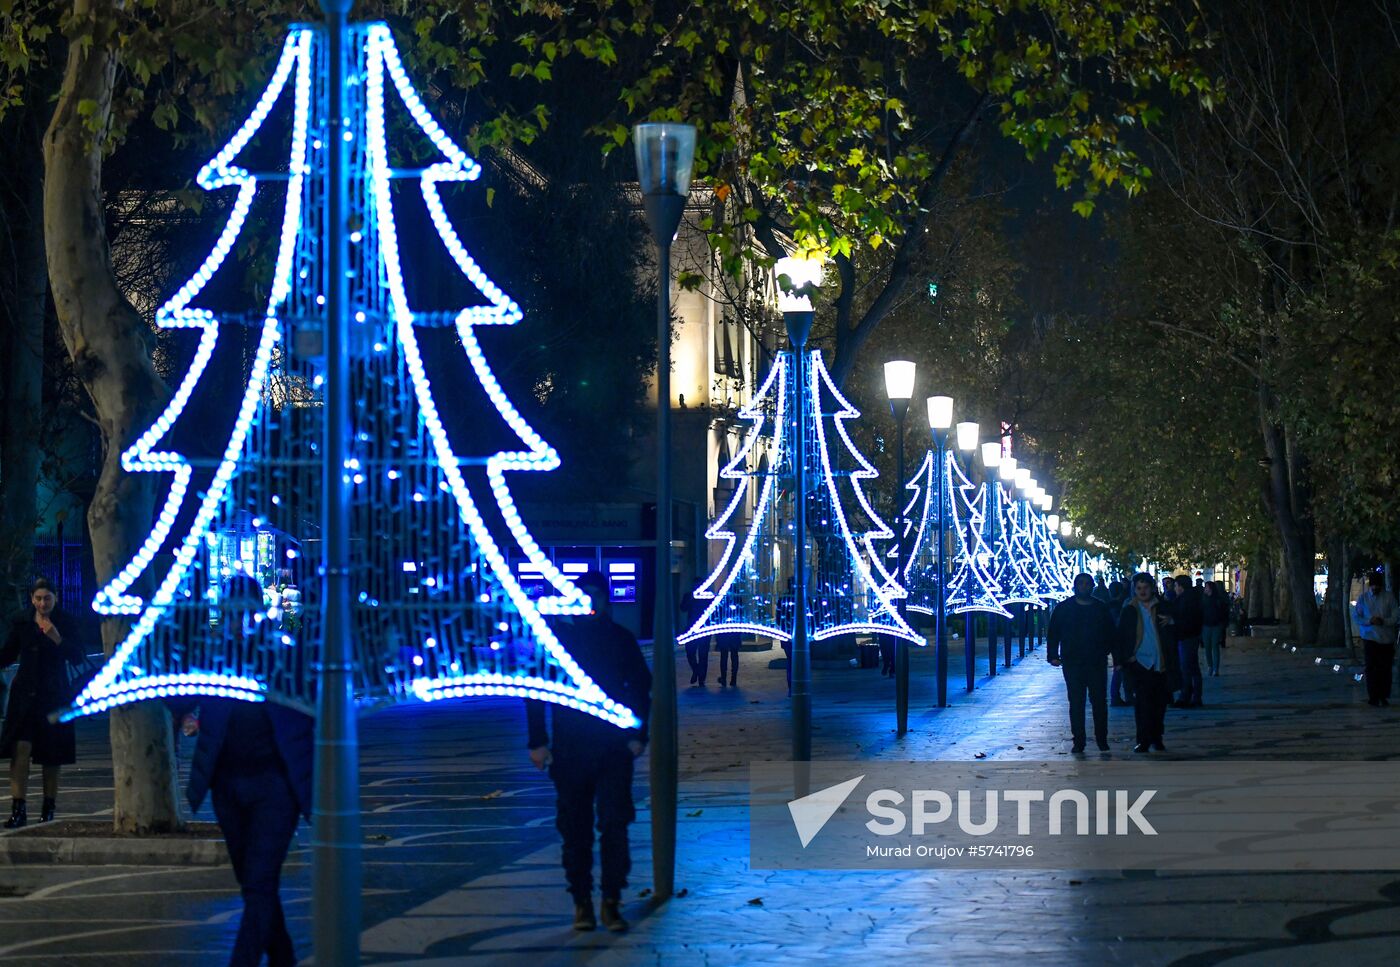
x=24 y=291
x=1290 y=503
x=1261 y=587
x=110 y=346
x=1331 y=627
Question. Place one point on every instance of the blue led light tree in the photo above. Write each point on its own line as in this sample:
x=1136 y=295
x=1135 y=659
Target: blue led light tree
x=973 y=588
x=851 y=589
x=434 y=610
x=921 y=515
x=1008 y=561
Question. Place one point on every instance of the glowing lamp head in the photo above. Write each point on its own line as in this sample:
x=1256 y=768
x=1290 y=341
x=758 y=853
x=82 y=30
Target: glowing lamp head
x=967 y=437
x=1023 y=479
x=796 y=278
x=940 y=412
x=1046 y=501
x=1053 y=521
x=899 y=379
x=1066 y=528
x=991 y=455
x=1007 y=470
x=1089 y=540
x=665 y=157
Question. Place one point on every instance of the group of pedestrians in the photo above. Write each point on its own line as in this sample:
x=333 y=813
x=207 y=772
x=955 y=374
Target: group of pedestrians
x=1154 y=641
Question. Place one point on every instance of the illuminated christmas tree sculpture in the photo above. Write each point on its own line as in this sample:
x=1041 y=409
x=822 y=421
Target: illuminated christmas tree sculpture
x=1008 y=561
x=921 y=516
x=436 y=611
x=972 y=586
x=850 y=589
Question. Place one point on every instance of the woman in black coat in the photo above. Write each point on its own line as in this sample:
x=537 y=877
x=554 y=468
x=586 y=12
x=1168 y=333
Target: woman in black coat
x=44 y=641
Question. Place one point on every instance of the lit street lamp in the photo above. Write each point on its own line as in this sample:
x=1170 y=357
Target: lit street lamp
x=991 y=461
x=967 y=443
x=940 y=421
x=665 y=159
x=899 y=386
x=795 y=303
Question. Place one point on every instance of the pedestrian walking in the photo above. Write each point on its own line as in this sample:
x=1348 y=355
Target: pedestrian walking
x=44 y=641
x=1147 y=650
x=787 y=614
x=1186 y=612
x=1215 y=615
x=591 y=760
x=255 y=761
x=728 y=648
x=697 y=650
x=1101 y=592
x=1376 y=617
x=1078 y=641
x=1119 y=689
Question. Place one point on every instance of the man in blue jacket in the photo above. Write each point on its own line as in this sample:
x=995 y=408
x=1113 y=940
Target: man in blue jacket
x=590 y=760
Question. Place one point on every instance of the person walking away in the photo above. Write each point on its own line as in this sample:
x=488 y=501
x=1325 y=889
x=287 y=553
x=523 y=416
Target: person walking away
x=1186 y=612
x=591 y=760
x=728 y=648
x=787 y=615
x=44 y=641
x=1119 y=692
x=1376 y=617
x=697 y=650
x=1078 y=641
x=254 y=760
x=1101 y=592
x=1215 y=615
x=1147 y=651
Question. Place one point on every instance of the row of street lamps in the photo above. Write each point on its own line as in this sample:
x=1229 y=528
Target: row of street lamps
x=899 y=388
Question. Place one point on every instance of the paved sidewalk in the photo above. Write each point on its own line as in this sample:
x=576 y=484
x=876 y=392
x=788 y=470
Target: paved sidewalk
x=461 y=857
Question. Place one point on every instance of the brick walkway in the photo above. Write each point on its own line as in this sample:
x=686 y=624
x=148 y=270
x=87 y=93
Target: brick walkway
x=461 y=857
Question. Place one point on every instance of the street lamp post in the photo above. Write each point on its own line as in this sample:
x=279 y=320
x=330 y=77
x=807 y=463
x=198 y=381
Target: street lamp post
x=336 y=841
x=665 y=156
x=967 y=443
x=996 y=627
x=940 y=420
x=899 y=386
x=795 y=303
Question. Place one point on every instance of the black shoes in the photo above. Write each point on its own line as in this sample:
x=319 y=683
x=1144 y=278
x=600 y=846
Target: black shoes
x=612 y=917
x=583 y=916
x=19 y=816
x=46 y=813
x=1077 y=748
x=1103 y=745
x=1142 y=747
x=733 y=681
x=1159 y=747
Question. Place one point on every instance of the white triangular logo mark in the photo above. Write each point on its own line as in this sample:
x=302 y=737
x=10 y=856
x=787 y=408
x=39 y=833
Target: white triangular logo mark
x=811 y=812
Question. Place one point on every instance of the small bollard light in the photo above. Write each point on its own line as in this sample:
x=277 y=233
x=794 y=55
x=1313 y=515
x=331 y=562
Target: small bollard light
x=1336 y=668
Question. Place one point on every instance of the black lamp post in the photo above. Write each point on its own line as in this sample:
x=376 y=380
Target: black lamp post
x=940 y=420
x=795 y=278
x=665 y=157
x=899 y=386
x=967 y=443
x=996 y=627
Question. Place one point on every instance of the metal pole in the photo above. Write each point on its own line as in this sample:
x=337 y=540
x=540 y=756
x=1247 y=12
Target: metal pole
x=901 y=647
x=940 y=632
x=799 y=326
x=335 y=845
x=664 y=212
x=970 y=618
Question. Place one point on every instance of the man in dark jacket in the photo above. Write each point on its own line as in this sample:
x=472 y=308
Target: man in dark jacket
x=1188 y=614
x=1079 y=641
x=254 y=759
x=1147 y=650
x=590 y=760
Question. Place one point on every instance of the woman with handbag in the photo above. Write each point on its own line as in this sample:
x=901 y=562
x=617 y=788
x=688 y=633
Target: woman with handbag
x=44 y=641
